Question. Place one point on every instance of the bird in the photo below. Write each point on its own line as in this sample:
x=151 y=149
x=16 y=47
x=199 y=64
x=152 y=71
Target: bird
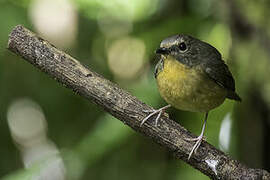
x=191 y=76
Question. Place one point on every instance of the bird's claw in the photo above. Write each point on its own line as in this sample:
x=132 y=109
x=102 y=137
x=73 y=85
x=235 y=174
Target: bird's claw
x=153 y=112
x=198 y=140
x=148 y=111
x=195 y=139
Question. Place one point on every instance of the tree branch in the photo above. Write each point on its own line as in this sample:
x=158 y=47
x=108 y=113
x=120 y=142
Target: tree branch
x=127 y=108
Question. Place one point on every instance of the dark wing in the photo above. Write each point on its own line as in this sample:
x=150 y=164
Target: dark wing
x=220 y=73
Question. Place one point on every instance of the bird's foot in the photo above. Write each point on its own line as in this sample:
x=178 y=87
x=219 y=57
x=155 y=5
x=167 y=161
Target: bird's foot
x=195 y=139
x=154 y=112
x=198 y=140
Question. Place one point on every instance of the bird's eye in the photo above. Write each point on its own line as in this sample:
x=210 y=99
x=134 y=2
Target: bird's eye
x=182 y=46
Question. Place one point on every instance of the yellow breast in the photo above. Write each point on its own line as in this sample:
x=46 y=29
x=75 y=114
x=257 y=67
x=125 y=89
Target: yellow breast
x=188 y=88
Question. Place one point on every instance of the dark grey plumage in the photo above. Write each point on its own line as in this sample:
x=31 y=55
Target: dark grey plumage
x=200 y=53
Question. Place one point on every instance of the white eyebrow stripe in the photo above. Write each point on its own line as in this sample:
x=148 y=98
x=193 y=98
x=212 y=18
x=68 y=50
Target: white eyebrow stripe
x=168 y=42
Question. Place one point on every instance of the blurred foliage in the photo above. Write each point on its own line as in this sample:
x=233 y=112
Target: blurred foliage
x=94 y=145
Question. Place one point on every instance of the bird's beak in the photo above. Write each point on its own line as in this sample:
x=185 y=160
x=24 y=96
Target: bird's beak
x=162 y=50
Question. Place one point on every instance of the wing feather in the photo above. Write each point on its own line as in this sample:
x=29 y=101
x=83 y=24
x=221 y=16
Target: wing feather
x=219 y=72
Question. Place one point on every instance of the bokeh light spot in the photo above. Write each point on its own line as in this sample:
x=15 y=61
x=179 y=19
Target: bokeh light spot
x=126 y=57
x=225 y=133
x=55 y=20
x=26 y=121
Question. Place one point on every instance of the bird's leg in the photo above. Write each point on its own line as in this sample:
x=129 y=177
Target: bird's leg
x=198 y=139
x=153 y=112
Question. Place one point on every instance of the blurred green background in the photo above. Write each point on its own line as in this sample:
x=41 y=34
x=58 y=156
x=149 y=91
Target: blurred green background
x=48 y=131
